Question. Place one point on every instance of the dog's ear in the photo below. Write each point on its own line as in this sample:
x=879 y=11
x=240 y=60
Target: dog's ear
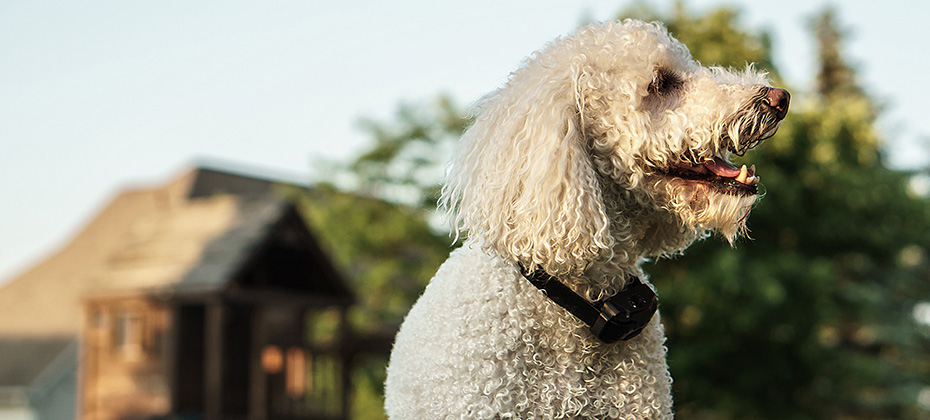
x=522 y=182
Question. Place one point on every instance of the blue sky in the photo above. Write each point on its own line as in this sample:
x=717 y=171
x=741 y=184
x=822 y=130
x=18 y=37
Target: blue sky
x=102 y=94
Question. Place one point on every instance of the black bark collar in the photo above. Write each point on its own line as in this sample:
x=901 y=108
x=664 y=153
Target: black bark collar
x=618 y=317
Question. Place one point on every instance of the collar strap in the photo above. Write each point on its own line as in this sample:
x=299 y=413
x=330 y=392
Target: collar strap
x=618 y=317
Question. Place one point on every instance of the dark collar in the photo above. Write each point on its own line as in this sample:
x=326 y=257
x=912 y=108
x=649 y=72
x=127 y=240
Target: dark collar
x=618 y=317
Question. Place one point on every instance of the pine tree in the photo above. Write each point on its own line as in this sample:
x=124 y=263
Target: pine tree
x=834 y=75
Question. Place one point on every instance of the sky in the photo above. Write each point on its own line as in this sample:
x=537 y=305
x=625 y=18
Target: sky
x=101 y=95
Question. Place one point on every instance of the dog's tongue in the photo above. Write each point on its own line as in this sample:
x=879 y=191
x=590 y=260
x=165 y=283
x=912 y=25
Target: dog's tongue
x=721 y=168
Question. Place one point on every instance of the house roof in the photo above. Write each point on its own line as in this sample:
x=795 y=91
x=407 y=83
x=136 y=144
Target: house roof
x=221 y=259
x=28 y=359
x=193 y=234
x=195 y=248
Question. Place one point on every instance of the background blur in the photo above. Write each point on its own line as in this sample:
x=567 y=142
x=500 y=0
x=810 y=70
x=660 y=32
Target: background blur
x=824 y=313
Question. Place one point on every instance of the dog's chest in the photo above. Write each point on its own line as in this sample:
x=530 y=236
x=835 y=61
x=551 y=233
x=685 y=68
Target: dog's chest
x=482 y=342
x=524 y=355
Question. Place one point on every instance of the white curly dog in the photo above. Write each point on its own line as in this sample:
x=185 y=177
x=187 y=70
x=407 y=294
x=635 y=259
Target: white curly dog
x=607 y=147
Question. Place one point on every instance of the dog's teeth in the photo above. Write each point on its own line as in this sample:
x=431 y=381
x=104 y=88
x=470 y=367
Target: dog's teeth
x=743 y=174
x=752 y=171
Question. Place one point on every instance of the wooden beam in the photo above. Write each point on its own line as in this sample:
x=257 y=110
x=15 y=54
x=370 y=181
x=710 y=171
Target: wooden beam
x=258 y=392
x=213 y=359
x=170 y=351
x=282 y=298
x=347 y=363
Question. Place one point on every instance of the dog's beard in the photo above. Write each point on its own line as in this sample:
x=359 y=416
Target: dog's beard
x=701 y=206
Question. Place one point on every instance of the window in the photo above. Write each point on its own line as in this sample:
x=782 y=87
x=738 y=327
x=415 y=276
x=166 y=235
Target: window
x=296 y=372
x=128 y=340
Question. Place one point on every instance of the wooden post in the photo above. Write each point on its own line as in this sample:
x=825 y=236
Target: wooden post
x=258 y=398
x=170 y=351
x=213 y=359
x=88 y=350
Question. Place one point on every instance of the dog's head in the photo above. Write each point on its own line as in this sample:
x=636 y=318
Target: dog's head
x=610 y=142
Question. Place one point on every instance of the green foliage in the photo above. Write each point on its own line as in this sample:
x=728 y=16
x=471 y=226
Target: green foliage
x=368 y=395
x=405 y=162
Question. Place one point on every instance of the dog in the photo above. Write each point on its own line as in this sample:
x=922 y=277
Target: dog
x=605 y=148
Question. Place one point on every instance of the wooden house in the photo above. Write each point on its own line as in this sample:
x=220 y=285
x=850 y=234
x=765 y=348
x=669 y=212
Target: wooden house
x=207 y=297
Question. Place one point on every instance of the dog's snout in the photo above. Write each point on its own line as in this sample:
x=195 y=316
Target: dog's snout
x=777 y=101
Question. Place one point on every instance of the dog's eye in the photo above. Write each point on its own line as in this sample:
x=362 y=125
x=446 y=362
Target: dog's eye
x=665 y=82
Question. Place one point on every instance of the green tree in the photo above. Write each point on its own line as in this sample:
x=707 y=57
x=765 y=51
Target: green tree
x=834 y=76
x=405 y=161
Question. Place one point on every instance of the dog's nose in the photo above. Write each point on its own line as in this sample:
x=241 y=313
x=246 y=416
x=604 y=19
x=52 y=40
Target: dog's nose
x=777 y=101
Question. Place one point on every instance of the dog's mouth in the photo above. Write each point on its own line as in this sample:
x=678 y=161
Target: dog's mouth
x=720 y=174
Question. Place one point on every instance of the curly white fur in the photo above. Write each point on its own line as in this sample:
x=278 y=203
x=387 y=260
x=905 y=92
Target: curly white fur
x=569 y=168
